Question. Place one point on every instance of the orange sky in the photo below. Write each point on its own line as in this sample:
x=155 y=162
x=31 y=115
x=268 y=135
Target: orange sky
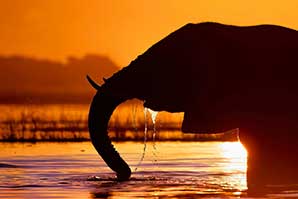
x=121 y=29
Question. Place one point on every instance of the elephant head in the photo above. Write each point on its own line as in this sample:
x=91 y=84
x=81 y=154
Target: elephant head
x=206 y=70
x=165 y=77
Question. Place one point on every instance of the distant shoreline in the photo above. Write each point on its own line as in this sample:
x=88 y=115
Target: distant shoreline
x=25 y=80
x=47 y=99
x=123 y=136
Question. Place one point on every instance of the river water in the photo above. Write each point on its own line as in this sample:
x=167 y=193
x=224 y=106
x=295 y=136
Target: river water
x=168 y=170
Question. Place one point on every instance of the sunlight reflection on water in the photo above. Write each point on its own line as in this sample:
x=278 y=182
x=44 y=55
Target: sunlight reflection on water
x=74 y=170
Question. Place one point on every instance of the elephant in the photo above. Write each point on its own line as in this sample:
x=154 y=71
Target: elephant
x=222 y=77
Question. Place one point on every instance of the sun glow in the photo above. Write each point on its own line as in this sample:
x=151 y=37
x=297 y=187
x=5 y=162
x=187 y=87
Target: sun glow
x=235 y=163
x=233 y=150
x=236 y=154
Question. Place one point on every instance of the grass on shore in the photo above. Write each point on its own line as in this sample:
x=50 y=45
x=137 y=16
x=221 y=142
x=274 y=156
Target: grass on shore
x=126 y=123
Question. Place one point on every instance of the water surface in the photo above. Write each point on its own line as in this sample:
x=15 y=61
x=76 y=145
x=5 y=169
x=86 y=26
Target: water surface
x=169 y=170
x=74 y=170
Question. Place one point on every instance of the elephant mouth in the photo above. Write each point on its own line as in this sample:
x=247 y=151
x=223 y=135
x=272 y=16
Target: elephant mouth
x=101 y=109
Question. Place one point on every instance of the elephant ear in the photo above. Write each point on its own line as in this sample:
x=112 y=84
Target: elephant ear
x=206 y=122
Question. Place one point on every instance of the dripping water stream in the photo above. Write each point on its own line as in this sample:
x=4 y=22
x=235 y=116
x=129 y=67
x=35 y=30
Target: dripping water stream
x=145 y=140
x=153 y=115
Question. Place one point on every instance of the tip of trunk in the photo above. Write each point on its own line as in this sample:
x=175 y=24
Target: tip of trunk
x=100 y=112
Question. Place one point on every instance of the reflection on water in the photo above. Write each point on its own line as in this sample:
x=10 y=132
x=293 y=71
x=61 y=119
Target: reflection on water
x=74 y=170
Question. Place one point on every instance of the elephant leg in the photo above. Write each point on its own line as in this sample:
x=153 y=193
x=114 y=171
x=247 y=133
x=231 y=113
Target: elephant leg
x=272 y=155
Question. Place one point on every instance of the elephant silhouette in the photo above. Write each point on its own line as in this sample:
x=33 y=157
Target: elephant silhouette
x=222 y=77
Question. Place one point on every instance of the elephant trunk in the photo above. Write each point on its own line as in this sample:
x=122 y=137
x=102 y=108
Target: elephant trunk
x=100 y=112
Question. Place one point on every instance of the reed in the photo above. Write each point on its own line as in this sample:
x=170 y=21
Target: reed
x=60 y=123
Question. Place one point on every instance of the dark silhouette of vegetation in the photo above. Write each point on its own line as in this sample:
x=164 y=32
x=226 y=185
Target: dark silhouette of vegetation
x=30 y=80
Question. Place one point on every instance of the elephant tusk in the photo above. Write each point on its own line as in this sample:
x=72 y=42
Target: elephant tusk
x=93 y=83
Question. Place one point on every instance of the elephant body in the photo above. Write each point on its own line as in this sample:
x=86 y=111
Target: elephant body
x=222 y=77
